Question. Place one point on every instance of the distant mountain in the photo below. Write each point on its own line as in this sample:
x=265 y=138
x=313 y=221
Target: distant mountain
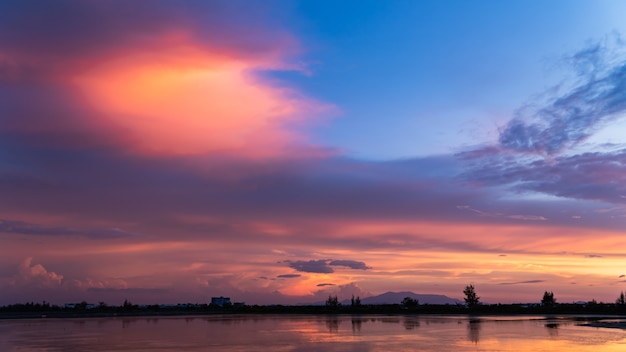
x=397 y=297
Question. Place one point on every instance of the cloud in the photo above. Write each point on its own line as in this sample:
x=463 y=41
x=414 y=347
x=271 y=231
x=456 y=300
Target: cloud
x=36 y=275
x=288 y=276
x=535 y=152
x=573 y=116
x=312 y=266
x=19 y=227
x=528 y=217
x=324 y=284
x=593 y=256
x=323 y=266
x=536 y=149
x=352 y=264
x=139 y=290
x=516 y=216
x=99 y=31
x=590 y=176
x=158 y=79
x=523 y=282
x=343 y=292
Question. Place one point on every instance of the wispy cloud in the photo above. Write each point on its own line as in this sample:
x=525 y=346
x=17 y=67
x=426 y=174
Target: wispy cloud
x=522 y=282
x=24 y=228
x=571 y=117
x=534 y=153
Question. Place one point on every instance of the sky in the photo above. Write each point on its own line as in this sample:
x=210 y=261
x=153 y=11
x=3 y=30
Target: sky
x=278 y=152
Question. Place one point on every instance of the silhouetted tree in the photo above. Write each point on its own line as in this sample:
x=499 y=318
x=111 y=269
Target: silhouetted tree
x=471 y=299
x=621 y=300
x=355 y=302
x=128 y=306
x=410 y=302
x=548 y=299
x=332 y=301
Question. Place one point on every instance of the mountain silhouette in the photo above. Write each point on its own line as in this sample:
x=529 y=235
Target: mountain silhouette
x=397 y=297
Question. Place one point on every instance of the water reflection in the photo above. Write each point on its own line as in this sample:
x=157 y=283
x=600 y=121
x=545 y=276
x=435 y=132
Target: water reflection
x=411 y=323
x=552 y=328
x=333 y=324
x=356 y=325
x=308 y=332
x=473 y=330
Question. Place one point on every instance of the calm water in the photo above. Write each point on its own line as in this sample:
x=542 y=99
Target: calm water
x=308 y=333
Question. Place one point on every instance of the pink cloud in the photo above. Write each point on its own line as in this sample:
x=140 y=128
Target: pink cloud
x=188 y=100
x=36 y=275
x=157 y=80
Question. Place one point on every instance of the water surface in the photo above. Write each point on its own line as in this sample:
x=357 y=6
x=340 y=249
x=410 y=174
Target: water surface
x=310 y=333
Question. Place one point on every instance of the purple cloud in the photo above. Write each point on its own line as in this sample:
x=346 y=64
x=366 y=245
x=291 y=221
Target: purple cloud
x=20 y=227
x=350 y=264
x=288 y=276
x=572 y=117
x=531 y=153
x=312 y=266
x=323 y=266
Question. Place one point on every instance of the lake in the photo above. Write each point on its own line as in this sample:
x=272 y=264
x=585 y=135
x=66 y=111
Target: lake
x=310 y=333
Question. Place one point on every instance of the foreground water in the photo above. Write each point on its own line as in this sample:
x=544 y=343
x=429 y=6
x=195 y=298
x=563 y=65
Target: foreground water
x=309 y=333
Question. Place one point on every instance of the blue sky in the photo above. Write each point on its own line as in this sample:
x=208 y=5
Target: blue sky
x=415 y=78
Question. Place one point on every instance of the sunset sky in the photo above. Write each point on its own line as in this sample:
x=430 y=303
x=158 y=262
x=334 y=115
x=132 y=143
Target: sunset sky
x=282 y=151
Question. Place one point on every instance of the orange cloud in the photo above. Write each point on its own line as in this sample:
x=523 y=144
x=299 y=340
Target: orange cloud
x=189 y=100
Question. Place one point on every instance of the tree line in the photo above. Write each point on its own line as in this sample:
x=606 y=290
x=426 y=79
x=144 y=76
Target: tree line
x=548 y=299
